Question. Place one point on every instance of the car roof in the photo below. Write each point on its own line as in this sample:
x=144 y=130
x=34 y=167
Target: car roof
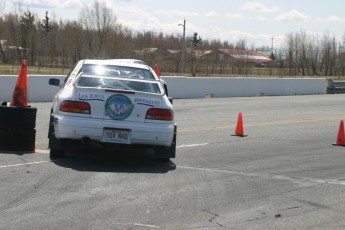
x=119 y=62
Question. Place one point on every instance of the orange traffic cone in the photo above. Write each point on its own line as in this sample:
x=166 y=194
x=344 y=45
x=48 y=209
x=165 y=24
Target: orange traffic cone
x=341 y=137
x=239 y=128
x=19 y=97
x=157 y=71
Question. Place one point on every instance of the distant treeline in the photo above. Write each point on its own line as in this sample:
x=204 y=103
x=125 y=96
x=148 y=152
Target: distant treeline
x=97 y=34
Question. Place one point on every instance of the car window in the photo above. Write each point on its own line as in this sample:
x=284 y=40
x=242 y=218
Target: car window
x=117 y=71
x=105 y=82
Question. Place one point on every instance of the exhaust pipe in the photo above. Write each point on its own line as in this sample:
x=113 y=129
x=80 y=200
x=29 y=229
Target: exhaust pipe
x=88 y=141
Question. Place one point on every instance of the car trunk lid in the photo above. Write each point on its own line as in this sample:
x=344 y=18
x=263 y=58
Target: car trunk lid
x=120 y=105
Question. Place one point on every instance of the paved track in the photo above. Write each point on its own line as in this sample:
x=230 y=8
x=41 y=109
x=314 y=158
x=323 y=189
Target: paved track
x=285 y=174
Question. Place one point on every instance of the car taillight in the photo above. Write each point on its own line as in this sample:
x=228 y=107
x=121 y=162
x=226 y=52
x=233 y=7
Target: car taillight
x=75 y=107
x=160 y=114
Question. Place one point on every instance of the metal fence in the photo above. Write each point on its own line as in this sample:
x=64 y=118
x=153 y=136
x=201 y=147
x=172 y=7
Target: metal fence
x=335 y=87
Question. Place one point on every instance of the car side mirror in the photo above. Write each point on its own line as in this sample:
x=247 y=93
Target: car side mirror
x=54 y=81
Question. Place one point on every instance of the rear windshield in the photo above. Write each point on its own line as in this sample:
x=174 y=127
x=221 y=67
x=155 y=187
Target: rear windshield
x=105 y=82
x=117 y=71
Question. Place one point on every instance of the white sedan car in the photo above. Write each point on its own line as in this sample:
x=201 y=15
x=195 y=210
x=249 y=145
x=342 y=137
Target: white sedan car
x=115 y=104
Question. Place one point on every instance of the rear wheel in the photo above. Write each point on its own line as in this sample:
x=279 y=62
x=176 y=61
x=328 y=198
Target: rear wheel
x=163 y=153
x=56 y=147
x=57 y=153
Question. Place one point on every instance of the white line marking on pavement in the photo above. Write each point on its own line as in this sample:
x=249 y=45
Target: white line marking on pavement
x=192 y=145
x=270 y=176
x=145 y=225
x=31 y=163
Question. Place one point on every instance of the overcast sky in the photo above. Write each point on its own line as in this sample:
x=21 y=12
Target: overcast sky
x=227 y=20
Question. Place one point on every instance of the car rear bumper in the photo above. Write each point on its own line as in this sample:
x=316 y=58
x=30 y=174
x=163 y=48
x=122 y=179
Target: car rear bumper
x=76 y=128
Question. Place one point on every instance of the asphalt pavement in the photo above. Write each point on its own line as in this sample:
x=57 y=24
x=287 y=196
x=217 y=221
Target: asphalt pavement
x=285 y=174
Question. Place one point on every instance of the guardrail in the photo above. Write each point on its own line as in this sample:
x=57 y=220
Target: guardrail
x=335 y=87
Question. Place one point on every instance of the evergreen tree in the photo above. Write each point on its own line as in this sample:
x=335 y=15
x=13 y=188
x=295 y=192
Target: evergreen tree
x=28 y=33
x=46 y=23
x=196 y=42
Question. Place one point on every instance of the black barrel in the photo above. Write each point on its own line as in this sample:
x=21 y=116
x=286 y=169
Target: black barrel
x=17 y=128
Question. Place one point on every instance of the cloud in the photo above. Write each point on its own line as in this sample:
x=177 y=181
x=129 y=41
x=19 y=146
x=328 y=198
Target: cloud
x=211 y=14
x=254 y=39
x=334 y=19
x=37 y=3
x=259 y=7
x=293 y=15
x=138 y=19
x=72 y=4
x=260 y=18
x=48 y=4
x=232 y=36
x=235 y=16
x=176 y=13
x=149 y=22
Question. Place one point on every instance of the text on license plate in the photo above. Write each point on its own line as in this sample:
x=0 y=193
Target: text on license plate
x=120 y=136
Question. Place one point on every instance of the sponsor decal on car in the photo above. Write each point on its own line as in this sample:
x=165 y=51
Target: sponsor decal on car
x=75 y=72
x=91 y=97
x=147 y=102
x=118 y=107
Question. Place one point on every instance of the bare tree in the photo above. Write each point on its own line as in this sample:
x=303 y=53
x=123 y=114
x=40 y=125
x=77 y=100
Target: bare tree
x=71 y=43
x=2 y=7
x=328 y=54
x=313 y=52
x=11 y=32
x=302 y=47
x=241 y=44
x=3 y=57
x=98 y=21
x=49 y=34
x=2 y=52
x=342 y=55
x=293 y=53
x=312 y=56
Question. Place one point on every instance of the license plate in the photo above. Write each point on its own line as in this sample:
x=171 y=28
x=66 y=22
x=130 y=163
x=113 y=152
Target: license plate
x=119 y=136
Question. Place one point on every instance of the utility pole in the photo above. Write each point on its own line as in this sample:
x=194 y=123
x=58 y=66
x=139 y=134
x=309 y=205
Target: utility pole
x=183 y=45
x=272 y=57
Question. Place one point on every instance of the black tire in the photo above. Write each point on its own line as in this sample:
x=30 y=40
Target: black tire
x=56 y=147
x=51 y=125
x=163 y=159
x=163 y=153
x=57 y=153
x=17 y=140
x=12 y=117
